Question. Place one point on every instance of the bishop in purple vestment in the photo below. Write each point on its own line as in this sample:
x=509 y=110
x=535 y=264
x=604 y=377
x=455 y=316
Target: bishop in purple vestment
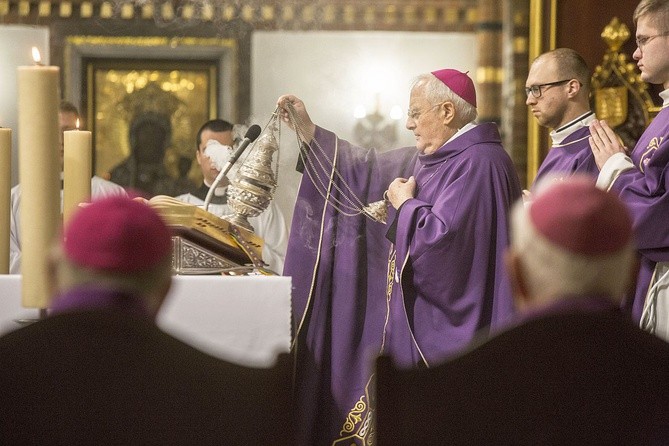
x=417 y=287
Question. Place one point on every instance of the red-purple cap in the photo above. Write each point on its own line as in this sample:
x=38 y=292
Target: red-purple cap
x=581 y=218
x=459 y=82
x=117 y=234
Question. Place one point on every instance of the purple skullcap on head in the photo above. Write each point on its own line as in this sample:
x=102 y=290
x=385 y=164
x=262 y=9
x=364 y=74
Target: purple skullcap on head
x=581 y=219
x=459 y=82
x=116 y=234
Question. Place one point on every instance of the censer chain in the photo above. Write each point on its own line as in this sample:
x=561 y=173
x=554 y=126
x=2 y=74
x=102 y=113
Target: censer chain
x=353 y=203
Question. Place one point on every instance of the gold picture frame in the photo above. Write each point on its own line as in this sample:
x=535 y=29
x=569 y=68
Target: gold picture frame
x=211 y=66
x=121 y=91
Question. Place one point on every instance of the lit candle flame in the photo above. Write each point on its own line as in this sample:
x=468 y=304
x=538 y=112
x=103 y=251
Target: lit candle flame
x=77 y=123
x=36 y=56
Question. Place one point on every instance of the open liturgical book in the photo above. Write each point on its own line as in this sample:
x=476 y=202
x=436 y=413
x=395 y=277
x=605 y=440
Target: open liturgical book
x=207 y=244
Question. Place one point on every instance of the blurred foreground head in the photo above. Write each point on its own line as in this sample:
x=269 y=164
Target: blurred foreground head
x=116 y=243
x=573 y=239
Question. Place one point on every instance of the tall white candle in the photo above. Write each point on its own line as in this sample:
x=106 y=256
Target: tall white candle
x=5 y=188
x=39 y=175
x=77 y=170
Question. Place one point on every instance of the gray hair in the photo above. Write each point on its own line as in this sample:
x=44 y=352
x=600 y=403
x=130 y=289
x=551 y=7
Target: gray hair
x=146 y=284
x=551 y=271
x=436 y=91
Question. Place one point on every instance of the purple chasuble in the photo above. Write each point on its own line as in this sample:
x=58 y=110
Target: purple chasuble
x=571 y=156
x=343 y=313
x=450 y=245
x=645 y=190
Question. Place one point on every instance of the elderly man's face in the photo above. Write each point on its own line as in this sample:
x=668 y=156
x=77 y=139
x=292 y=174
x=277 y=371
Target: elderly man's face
x=428 y=122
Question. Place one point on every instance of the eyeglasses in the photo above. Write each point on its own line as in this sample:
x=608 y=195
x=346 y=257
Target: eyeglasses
x=415 y=114
x=641 y=41
x=536 y=89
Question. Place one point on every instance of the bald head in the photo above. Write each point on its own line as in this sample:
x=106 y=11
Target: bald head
x=568 y=64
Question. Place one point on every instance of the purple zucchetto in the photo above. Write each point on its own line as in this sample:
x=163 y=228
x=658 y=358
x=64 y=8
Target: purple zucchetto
x=117 y=234
x=459 y=83
x=582 y=219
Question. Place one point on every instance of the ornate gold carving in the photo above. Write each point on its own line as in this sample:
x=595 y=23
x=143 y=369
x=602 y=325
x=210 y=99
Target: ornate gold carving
x=193 y=84
x=127 y=11
x=65 y=10
x=358 y=428
x=247 y=13
x=228 y=12
x=419 y=15
x=621 y=97
x=615 y=34
x=611 y=105
x=188 y=12
x=147 y=11
x=24 y=8
x=44 y=9
x=86 y=10
x=267 y=12
x=106 y=10
x=207 y=12
x=167 y=11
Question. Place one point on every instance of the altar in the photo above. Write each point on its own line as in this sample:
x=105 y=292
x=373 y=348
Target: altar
x=243 y=319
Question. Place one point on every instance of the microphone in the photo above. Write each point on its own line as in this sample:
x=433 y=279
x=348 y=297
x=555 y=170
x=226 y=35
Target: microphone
x=251 y=135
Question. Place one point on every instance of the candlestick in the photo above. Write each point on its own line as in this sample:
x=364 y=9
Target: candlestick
x=5 y=190
x=39 y=175
x=77 y=170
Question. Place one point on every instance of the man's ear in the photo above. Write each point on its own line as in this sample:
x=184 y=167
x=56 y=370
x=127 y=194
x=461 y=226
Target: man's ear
x=514 y=269
x=574 y=88
x=449 y=112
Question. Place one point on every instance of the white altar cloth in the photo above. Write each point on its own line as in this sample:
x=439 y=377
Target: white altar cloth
x=245 y=320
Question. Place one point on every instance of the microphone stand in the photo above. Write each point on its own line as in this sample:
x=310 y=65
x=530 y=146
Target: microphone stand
x=251 y=135
x=214 y=185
